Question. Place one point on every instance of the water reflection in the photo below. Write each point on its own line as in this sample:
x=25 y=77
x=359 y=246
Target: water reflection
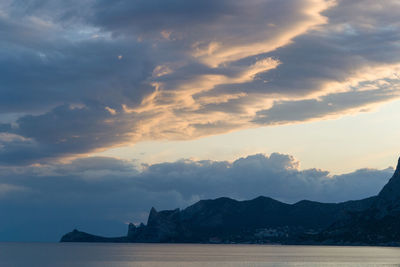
x=168 y=255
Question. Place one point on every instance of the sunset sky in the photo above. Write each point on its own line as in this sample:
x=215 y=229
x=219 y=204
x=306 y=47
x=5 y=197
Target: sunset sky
x=108 y=108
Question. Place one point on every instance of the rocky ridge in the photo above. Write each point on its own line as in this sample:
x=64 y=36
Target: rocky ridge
x=373 y=221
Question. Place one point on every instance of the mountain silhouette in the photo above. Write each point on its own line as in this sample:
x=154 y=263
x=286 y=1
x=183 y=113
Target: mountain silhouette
x=378 y=224
x=370 y=221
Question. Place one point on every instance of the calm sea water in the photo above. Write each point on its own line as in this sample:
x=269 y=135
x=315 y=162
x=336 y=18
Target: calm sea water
x=80 y=254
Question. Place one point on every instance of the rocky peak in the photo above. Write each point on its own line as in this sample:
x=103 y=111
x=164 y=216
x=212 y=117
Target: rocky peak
x=391 y=191
x=131 y=230
x=153 y=217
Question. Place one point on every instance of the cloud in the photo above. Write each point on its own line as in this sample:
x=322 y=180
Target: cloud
x=83 y=77
x=277 y=176
x=101 y=194
x=215 y=32
x=330 y=105
x=64 y=131
x=6 y=189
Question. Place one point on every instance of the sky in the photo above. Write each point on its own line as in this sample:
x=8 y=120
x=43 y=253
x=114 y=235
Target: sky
x=108 y=108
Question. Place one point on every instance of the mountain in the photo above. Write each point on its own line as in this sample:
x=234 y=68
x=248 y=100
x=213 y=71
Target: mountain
x=373 y=220
x=378 y=224
x=78 y=236
x=228 y=220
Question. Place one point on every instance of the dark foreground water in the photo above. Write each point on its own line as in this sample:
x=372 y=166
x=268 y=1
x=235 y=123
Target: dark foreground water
x=80 y=254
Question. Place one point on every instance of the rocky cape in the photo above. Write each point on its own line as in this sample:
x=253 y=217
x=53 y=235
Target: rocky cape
x=370 y=221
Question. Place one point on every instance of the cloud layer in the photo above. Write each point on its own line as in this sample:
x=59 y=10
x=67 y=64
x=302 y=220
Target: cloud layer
x=93 y=74
x=101 y=195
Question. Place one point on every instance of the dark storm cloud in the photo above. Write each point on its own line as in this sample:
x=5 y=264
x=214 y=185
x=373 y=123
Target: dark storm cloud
x=155 y=15
x=86 y=71
x=321 y=57
x=79 y=76
x=102 y=194
x=5 y=127
x=334 y=104
x=370 y=13
x=64 y=131
x=66 y=83
x=334 y=53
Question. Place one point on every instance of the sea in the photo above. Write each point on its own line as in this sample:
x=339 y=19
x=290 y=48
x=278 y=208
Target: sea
x=192 y=255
